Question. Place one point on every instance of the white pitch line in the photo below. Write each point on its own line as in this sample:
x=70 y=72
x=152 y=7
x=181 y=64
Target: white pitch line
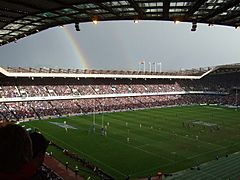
x=85 y=154
x=143 y=145
x=182 y=136
x=135 y=147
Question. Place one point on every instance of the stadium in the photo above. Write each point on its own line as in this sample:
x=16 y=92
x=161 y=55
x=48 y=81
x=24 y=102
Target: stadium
x=122 y=124
x=132 y=108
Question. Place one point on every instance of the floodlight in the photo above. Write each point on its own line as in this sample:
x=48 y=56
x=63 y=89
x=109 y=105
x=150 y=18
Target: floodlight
x=95 y=21
x=136 y=21
x=177 y=22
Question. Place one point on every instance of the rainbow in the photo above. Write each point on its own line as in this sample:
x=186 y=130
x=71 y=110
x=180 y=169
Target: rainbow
x=76 y=48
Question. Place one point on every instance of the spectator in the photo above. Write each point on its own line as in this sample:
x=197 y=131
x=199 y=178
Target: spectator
x=76 y=170
x=39 y=147
x=15 y=153
x=66 y=165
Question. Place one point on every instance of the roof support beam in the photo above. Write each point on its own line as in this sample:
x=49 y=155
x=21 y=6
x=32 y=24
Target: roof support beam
x=139 y=10
x=15 y=12
x=221 y=9
x=235 y=23
x=230 y=16
x=166 y=6
x=194 y=8
x=66 y=5
x=107 y=8
x=6 y=17
x=25 y=5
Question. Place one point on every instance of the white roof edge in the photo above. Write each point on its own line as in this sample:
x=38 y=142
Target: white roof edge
x=211 y=70
x=218 y=67
x=53 y=75
x=3 y=71
x=208 y=72
x=65 y=75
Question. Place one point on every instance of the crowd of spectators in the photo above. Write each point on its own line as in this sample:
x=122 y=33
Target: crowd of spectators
x=32 y=91
x=83 y=98
x=64 y=107
x=82 y=90
x=48 y=173
x=42 y=109
x=212 y=84
x=102 y=89
x=59 y=90
x=20 y=110
x=9 y=91
x=73 y=90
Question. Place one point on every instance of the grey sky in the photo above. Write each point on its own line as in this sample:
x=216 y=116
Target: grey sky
x=122 y=45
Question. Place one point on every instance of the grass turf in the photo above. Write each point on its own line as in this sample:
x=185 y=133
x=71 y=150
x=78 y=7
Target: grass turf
x=162 y=143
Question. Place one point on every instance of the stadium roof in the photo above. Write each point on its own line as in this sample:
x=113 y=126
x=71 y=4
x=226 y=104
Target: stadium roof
x=77 y=73
x=20 y=18
x=225 y=69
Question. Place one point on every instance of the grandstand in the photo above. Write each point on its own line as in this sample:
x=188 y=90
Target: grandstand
x=30 y=93
x=34 y=94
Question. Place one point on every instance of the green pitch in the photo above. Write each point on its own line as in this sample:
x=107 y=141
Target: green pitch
x=141 y=143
